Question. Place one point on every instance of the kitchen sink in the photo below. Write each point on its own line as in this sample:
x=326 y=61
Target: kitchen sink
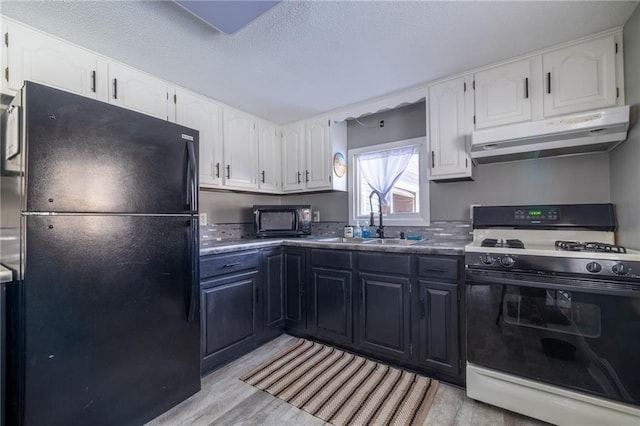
x=341 y=240
x=390 y=242
x=370 y=241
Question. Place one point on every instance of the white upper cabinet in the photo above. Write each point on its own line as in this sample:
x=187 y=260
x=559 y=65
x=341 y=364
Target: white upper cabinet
x=308 y=149
x=43 y=59
x=317 y=172
x=269 y=157
x=450 y=112
x=240 y=149
x=204 y=115
x=323 y=139
x=138 y=91
x=293 y=157
x=580 y=77
x=503 y=94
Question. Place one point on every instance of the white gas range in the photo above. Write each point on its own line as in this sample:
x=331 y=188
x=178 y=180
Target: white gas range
x=553 y=314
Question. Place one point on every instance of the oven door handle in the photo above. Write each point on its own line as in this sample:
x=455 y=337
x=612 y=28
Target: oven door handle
x=608 y=287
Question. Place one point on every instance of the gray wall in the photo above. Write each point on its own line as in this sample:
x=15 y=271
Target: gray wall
x=625 y=159
x=572 y=179
x=228 y=207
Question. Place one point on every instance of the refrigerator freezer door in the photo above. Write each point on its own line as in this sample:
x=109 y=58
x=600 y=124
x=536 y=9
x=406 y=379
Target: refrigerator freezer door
x=111 y=332
x=87 y=156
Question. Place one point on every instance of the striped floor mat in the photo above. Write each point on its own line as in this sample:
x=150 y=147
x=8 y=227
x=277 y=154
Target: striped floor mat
x=343 y=388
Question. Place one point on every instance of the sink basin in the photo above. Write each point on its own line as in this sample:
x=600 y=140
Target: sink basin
x=390 y=242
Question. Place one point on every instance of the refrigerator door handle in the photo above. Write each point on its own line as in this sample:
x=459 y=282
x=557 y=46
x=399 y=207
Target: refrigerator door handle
x=193 y=285
x=192 y=190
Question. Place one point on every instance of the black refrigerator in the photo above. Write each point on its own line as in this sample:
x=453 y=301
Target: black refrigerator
x=99 y=224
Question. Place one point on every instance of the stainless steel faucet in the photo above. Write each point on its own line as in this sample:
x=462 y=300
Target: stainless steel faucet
x=380 y=228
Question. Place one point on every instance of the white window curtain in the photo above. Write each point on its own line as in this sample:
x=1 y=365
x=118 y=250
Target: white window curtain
x=382 y=169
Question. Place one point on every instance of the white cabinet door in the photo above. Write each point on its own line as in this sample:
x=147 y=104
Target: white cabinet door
x=269 y=157
x=580 y=77
x=293 y=157
x=137 y=91
x=204 y=115
x=37 y=57
x=503 y=95
x=240 y=149
x=4 y=68
x=450 y=122
x=317 y=172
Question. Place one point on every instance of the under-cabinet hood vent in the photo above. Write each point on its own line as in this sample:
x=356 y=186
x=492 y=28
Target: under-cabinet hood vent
x=591 y=131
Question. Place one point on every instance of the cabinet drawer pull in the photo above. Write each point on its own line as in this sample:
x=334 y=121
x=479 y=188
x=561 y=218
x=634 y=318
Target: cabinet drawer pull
x=230 y=265
x=548 y=82
x=526 y=88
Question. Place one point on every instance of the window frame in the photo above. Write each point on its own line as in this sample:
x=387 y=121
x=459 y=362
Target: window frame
x=423 y=218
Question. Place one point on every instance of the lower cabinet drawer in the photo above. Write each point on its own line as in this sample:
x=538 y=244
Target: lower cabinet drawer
x=439 y=267
x=388 y=263
x=219 y=264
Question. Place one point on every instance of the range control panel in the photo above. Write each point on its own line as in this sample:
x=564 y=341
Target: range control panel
x=549 y=214
x=594 y=217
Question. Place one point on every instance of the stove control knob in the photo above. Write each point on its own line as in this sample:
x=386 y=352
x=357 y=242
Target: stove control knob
x=487 y=260
x=507 y=261
x=594 y=267
x=620 y=269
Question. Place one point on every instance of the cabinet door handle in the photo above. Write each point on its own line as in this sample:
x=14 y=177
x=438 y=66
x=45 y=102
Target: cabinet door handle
x=230 y=265
x=115 y=88
x=217 y=170
x=263 y=176
x=526 y=88
x=228 y=171
x=433 y=159
x=422 y=309
x=93 y=81
x=306 y=172
x=548 y=82
x=299 y=174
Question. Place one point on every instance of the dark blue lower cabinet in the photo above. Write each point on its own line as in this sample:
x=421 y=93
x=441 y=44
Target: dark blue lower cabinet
x=400 y=308
x=384 y=321
x=231 y=317
x=439 y=333
x=331 y=305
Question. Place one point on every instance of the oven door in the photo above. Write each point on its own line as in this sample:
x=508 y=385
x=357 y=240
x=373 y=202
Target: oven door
x=575 y=333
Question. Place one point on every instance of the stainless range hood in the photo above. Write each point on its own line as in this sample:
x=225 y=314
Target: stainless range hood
x=591 y=131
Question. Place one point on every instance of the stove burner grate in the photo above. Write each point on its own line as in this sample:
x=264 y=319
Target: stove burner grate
x=492 y=242
x=589 y=246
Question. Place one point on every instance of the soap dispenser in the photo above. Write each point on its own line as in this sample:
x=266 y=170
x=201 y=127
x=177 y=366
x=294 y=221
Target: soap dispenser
x=357 y=232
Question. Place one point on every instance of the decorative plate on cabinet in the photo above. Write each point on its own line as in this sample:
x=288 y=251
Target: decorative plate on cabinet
x=339 y=164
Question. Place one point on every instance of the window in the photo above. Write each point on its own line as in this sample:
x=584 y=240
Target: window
x=397 y=167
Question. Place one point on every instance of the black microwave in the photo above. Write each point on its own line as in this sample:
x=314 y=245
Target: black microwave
x=282 y=221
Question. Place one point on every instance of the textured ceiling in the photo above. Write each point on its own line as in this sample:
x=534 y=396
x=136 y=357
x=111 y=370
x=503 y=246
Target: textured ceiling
x=304 y=58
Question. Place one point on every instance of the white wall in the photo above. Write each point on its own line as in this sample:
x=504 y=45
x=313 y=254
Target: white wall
x=625 y=159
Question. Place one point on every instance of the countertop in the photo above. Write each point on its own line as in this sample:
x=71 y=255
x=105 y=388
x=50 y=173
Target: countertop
x=436 y=246
x=6 y=275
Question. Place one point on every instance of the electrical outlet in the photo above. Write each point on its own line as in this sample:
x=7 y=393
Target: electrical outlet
x=203 y=219
x=381 y=123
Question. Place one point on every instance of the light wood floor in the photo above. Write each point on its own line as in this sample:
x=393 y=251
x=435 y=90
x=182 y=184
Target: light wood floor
x=225 y=400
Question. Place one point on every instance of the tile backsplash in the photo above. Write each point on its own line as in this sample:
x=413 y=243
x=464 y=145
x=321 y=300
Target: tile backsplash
x=444 y=230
